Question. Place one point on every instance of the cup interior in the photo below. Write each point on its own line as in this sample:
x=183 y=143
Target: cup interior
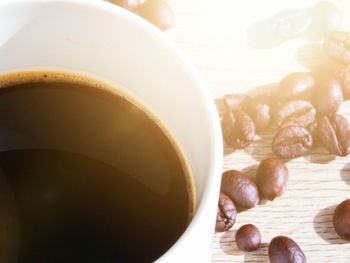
x=104 y=42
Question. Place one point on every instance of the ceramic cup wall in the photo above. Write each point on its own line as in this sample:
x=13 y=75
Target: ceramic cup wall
x=100 y=40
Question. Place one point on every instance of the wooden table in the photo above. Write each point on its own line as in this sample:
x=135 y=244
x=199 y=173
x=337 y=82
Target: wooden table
x=214 y=34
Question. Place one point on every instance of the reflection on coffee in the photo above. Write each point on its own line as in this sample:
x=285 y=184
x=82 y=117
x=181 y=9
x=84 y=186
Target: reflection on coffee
x=88 y=175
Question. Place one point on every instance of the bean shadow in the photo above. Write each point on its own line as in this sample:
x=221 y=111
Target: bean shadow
x=345 y=173
x=311 y=23
x=260 y=255
x=228 y=150
x=229 y=247
x=323 y=226
x=261 y=148
x=228 y=244
x=319 y=155
x=250 y=171
x=275 y=30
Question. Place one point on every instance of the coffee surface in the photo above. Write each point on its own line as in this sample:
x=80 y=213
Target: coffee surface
x=94 y=178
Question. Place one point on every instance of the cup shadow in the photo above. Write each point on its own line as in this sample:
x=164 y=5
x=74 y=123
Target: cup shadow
x=323 y=226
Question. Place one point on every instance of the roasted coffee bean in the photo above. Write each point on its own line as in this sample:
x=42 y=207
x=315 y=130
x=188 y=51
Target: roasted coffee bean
x=240 y=188
x=235 y=101
x=297 y=85
x=127 y=4
x=257 y=108
x=328 y=95
x=337 y=45
x=261 y=117
x=343 y=76
x=158 y=12
x=238 y=129
x=296 y=112
x=259 y=112
x=248 y=238
x=271 y=178
x=334 y=133
x=341 y=220
x=292 y=142
x=283 y=249
x=226 y=213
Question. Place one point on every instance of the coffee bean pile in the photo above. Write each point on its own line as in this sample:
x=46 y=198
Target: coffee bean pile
x=158 y=12
x=303 y=113
x=240 y=192
x=302 y=110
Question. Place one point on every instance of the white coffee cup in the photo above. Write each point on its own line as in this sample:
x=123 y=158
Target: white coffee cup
x=99 y=40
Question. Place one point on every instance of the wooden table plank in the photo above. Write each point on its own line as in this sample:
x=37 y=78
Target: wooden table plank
x=214 y=35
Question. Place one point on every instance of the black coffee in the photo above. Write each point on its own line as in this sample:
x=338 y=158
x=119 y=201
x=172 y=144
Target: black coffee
x=88 y=175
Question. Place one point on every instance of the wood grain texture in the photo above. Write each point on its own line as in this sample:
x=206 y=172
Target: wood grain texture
x=214 y=35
